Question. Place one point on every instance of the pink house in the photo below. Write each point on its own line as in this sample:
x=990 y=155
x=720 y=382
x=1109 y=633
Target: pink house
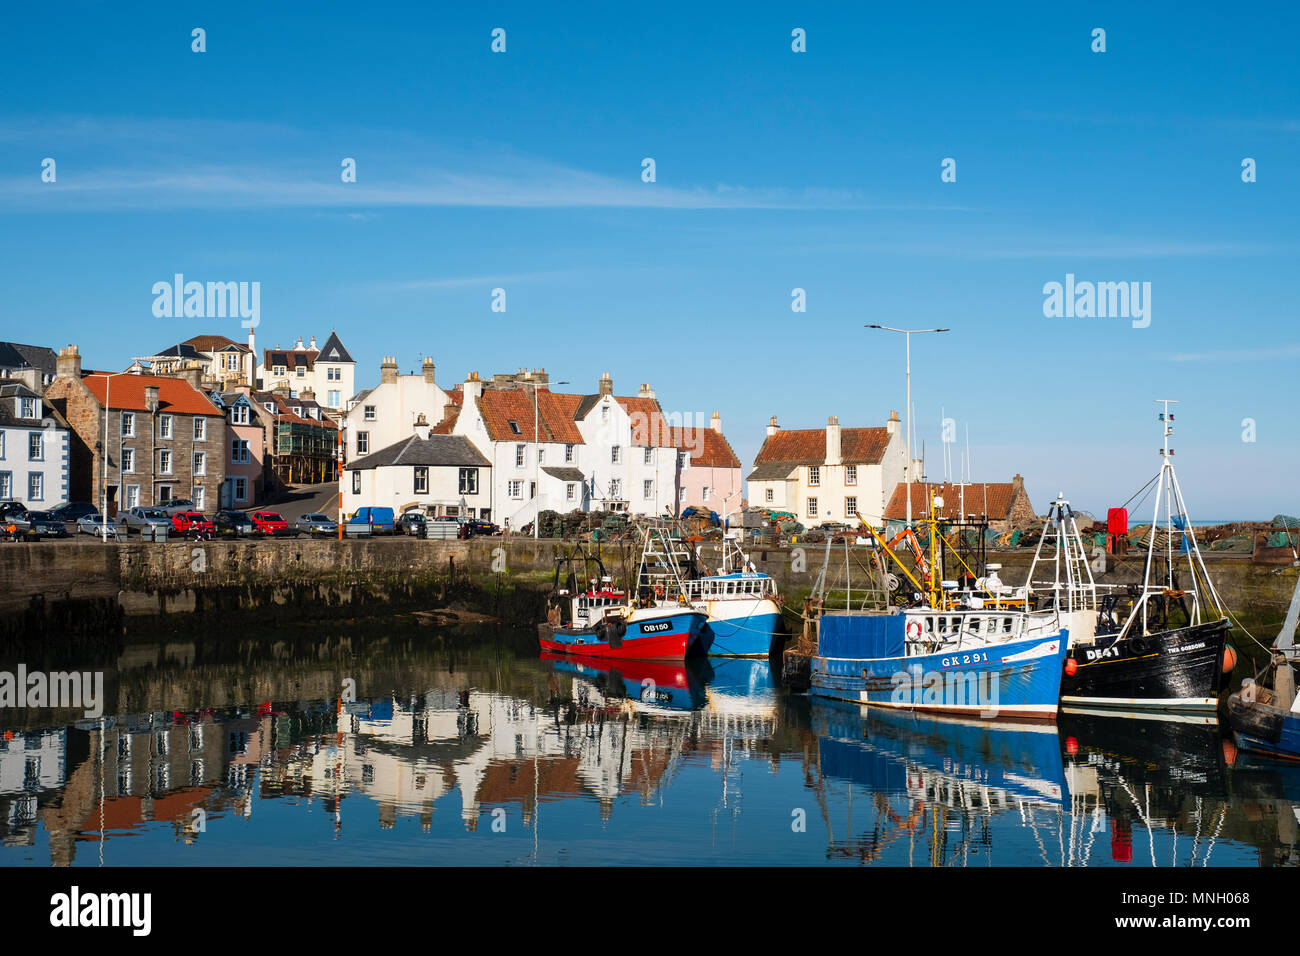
x=245 y=451
x=710 y=475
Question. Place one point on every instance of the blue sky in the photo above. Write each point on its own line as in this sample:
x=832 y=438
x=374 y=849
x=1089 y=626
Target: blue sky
x=775 y=170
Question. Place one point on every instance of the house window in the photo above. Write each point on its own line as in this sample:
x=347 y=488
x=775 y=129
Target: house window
x=268 y=406
x=200 y=463
x=604 y=413
x=851 y=506
x=200 y=429
x=128 y=424
x=614 y=454
x=421 y=479
x=615 y=488
x=241 y=489
x=568 y=454
x=648 y=488
x=767 y=494
x=277 y=370
x=707 y=492
x=333 y=398
x=239 y=453
x=164 y=426
x=36 y=486
x=239 y=415
x=570 y=492
x=164 y=462
x=35 y=446
x=164 y=494
x=514 y=427
x=369 y=413
x=519 y=456
x=516 y=488
x=649 y=456
x=200 y=497
x=334 y=374
x=363 y=443
x=814 y=475
x=6 y=484
x=302 y=371
x=541 y=452
x=128 y=460
x=356 y=482
x=132 y=499
x=812 y=507
x=28 y=407
x=469 y=481
x=2 y=444
x=850 y=474
x=681 y=495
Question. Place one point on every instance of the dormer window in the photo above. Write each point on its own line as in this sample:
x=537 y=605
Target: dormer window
x=514 y=427
x=28 y=407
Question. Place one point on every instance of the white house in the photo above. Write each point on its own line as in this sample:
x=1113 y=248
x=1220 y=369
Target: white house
x=378 y=417
x=829 y=474
x=328 y=371
x=34 y=448
x=438 y=474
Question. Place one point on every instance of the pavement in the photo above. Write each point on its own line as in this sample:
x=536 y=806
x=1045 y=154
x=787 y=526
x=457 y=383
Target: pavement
x=305 y=499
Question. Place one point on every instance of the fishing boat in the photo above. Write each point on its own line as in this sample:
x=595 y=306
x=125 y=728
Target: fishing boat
x=952 y=653
x=648 y=685
x=1267 y=719
x=743 y=606
x=604 y=622
x=1168 y=653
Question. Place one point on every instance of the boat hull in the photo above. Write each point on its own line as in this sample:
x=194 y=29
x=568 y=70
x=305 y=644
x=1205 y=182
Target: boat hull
x=650 y=634
x=741 y=628
x=1264 y=729
x=1178 y=670
x=1015 y=680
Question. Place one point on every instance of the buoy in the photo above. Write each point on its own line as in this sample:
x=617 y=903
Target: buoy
x=1071 y=667
x=1229 y=658
x=1071 y=746
x=1229 y=752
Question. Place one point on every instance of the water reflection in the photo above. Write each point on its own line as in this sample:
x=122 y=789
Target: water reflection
x=483 y=753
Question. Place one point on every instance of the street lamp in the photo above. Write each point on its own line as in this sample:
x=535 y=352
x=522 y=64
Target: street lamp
x=537 y=465
x=108 y=383
x=907 y=421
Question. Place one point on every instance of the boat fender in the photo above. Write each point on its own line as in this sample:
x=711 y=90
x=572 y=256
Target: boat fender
x=1138 y=645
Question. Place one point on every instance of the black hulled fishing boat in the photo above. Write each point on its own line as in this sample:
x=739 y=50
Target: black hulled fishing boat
x=1168 y=652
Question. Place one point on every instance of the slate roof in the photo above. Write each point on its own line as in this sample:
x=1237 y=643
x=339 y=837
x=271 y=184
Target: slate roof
x=563 y=474
x=14 y=355
x=181 y=350
x=334 y=351
x=290 y=359
x=772 y=471
x=12 y=389
x=437 y=450
x=807 y=446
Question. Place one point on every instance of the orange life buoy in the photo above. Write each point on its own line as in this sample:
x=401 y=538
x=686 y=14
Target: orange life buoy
x=914 y=629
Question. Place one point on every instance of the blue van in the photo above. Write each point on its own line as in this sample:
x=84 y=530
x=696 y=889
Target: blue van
x=368 y=520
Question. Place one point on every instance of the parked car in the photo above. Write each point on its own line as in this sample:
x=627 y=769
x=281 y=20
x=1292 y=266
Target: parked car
x=376 y=521
x=477 y=526
x=317 y=523
x=177 y=505
x=11 y=509
x=193 y=524
x=72 y=511
x=234 y=524
x=138 y=519
x=94 y=524
x=412 y=522
x=269 y=522
x=40 y=524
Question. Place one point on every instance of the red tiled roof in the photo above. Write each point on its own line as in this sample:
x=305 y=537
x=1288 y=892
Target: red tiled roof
x=500 y=406
x=993 y=499
x=285 y=409
x=648 y=424
x=175 y=396
x=712 y=448
x=289 y=358
x=448 y=423
x=210 y=343
x=808 y=446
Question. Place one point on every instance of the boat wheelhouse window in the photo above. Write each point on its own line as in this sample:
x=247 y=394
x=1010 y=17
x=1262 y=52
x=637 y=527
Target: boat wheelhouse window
x=974 y=625
x=1006 y=625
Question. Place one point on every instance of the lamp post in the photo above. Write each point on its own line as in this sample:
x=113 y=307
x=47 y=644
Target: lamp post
x=537 y=466
x=907 y=412
x=108 y=382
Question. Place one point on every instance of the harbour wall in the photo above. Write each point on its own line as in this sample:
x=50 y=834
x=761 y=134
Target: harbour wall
x=82 y=587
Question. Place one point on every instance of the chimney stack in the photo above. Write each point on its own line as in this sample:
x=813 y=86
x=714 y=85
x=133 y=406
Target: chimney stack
x=772 y=427
x=716 y=422
x=299 y=345
x=892 y=425
x=833 y=440
x=388 y=370
x=427 y=368
x=646 y=391
x=606 y=384
x=69 y=363
x=151 y=398
x=472 y=389
x=313 y=343
x=422 y=427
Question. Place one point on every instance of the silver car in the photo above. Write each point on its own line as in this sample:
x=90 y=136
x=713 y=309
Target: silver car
x=317 y=523
x=94 y=524
x=138 y=519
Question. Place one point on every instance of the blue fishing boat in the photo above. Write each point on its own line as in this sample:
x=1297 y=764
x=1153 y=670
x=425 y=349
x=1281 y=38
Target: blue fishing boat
x=743 y=609
x=955 y=653
x=1267 y=719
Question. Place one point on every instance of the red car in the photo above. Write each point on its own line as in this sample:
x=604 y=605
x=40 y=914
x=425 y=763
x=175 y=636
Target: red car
x=192 y=522
x=268 y=522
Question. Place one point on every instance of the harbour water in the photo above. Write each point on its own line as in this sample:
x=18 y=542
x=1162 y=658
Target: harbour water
x=471 y=749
